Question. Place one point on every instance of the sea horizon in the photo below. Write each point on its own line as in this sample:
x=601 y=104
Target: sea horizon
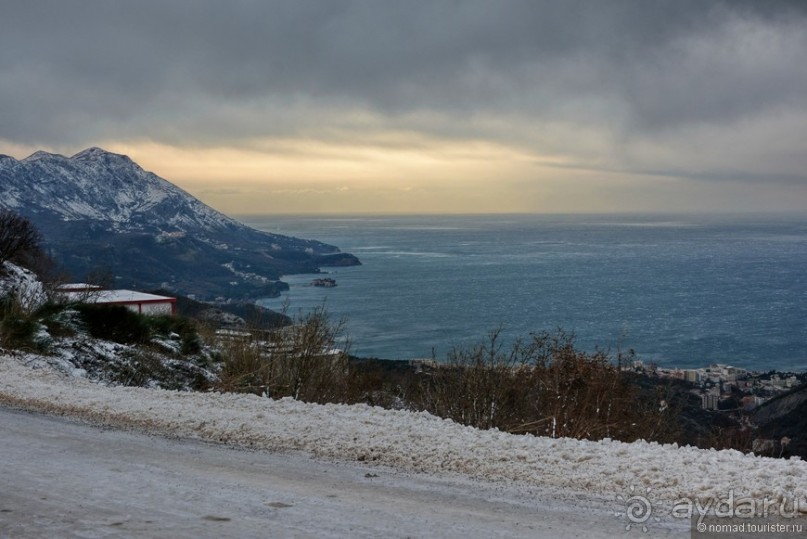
x=682 y=290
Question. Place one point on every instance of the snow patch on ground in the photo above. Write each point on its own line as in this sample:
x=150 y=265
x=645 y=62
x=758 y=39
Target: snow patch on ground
x=406 y=440
x=23 y=285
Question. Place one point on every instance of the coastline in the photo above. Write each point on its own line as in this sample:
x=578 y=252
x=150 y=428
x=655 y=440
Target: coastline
x=721 y=289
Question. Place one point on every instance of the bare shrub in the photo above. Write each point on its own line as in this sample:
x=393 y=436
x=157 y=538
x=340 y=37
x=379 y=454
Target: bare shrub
x=300 y=361
x=19 y=238
x=543 y=386
x=540 y=385
x=245 y=369
x=20 y=243
x=481 y=386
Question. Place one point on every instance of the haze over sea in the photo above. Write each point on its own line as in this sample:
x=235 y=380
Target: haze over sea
x=681 y=290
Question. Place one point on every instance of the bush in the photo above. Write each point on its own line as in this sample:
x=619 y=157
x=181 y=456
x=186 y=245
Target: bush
x=114 y=323
x=18 y=333
x=138 y=368
x=543 y=386
x=144 y=368
x=17 y=328
x=481 y=386
x=59 y=321
x=184 y=327
x=298 y=361
x=19 y=238
x=304 y=361
x=245 y=369
x=119 y=324
x=191 y=344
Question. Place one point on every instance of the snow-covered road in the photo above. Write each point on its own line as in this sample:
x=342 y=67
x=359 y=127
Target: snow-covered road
x=307 y=470
x=63 y=479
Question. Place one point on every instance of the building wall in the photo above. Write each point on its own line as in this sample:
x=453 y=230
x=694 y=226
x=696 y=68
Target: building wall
x=157 y=308
x=150 y=309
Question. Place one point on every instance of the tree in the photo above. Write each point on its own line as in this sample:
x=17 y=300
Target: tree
x=19 y=238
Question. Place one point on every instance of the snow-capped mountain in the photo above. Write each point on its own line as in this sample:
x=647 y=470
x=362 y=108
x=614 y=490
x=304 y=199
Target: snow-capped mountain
x=101 y=212
x=106 y=187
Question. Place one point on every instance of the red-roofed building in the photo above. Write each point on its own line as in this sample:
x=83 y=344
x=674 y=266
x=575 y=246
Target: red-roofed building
x=139 y=302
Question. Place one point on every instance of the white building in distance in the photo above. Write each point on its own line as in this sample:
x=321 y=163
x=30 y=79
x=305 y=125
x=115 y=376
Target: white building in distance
x=139 y=302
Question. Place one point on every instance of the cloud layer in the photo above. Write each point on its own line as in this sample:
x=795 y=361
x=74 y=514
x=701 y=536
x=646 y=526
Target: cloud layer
x=693 y=90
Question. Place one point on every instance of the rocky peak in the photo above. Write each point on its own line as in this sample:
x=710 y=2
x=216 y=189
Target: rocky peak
x=41 y=155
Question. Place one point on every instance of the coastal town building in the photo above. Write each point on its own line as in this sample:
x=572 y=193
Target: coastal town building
x=139 y=302
x=734 y=387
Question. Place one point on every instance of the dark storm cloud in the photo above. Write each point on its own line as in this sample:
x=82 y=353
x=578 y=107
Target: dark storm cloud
x=205 y=71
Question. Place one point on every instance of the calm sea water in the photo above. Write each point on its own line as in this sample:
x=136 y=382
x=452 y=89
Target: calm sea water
x=679 y=290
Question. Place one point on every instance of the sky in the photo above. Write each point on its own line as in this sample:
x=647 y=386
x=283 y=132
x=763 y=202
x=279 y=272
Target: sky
x=438 y=106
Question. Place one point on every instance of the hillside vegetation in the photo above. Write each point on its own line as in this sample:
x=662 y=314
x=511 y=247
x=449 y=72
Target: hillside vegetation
x=541 y=385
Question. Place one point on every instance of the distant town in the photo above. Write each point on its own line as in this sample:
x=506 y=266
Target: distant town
x=727 y=388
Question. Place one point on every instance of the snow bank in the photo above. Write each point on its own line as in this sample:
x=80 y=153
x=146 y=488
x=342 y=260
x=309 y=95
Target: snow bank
x=407 y=440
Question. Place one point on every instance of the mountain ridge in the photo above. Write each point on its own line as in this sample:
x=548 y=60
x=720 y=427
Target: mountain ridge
x=101 y=212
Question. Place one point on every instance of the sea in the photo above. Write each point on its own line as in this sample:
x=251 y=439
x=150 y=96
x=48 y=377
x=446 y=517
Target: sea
x=679 y=290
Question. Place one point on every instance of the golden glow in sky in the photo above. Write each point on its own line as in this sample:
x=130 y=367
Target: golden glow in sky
x=411 y=175
x=309 y=176
x=426 y=107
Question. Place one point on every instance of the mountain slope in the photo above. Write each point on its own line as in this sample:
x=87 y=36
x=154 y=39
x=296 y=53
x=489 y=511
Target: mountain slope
x=102 y=186
x=785 y=416
x=101 y=212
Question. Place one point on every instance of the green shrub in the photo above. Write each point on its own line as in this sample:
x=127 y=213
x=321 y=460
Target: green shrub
x=18 y=333
x=59 y=320
x=191 y=343
x=166 y=324
x=114 y=323
x=17 y=329
x=161 y=324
